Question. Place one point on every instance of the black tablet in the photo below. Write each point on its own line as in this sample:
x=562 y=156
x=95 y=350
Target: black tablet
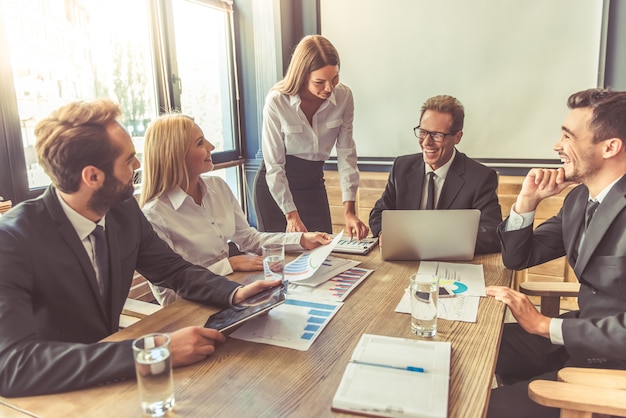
x=249 y=308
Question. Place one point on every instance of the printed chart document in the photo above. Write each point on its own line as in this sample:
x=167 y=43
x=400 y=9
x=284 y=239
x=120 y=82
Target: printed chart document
x=327 y=270
x=396 y=377
x=307 y=263
x=294 y=324
x=335 y=289
x=458 y=308
x=465 y=279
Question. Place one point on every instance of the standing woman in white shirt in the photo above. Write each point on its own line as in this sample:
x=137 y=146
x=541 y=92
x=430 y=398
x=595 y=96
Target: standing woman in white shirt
x=305 y=115
x=197 y=216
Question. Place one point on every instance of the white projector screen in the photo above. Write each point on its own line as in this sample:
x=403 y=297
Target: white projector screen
x=512 y=64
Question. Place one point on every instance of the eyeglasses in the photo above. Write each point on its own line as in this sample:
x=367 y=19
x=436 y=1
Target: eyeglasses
x=421 y=134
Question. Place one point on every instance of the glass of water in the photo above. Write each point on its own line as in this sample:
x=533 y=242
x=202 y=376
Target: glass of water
x=153 y=366
x=424 y=290
x=273 y=261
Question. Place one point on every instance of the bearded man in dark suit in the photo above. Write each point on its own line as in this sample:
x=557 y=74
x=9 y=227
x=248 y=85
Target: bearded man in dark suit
x=60 y=294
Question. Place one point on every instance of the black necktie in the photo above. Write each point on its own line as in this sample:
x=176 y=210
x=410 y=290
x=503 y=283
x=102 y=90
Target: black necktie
x=102 y=258
x=592 y=206
x=430 y=199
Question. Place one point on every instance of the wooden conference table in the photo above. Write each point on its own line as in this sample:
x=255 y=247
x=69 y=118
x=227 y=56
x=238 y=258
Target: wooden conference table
x=244 y=379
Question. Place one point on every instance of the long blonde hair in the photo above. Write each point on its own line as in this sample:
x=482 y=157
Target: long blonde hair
x=312 y=53
x=166 y=144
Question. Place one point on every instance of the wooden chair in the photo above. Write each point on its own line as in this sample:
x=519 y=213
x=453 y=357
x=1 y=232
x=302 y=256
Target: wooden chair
x=583 y=393
x=140 y=302
x=550 y=294
x=5 y=205
x=579 y=392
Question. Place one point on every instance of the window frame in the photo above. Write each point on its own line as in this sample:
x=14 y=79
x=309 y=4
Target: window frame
x=13 y=173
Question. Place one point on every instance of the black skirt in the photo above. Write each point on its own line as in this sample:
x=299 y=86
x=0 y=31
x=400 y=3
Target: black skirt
x=306 y=183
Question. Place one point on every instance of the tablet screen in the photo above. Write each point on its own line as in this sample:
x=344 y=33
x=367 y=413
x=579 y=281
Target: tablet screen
x=249 y=308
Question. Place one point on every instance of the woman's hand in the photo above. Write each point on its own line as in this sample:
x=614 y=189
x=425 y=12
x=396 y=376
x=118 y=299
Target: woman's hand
x=312 y=240
x=294 y=223
x=246 y=262
x=354 y=226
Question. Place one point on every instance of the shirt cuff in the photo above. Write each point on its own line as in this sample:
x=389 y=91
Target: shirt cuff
x=556 y=331
x=222 y=267
x=232 y=295
x=517 y=221
x=292 y=241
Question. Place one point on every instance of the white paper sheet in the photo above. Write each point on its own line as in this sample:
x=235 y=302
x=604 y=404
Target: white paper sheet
x=465 y=279
x=458 y=308
x=308 y=262
x=294 y=324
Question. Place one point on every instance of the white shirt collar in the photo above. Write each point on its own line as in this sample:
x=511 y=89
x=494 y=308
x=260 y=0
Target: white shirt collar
x=600 y=197
x=295 y=100
x=442 y=171
x=83 y=226
x=177 y=195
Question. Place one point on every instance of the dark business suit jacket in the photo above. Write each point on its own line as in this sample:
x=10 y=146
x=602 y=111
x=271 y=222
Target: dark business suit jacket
x=468 y=185
x=596 y=334
x=51 y=312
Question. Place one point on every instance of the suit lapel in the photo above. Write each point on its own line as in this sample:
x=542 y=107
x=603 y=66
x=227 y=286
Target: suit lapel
x=68 y=233
x=115 y=269
x=612 y=205
x=454 y=182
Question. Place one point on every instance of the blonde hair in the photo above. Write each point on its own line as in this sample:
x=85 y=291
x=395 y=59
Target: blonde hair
x=166 y=144
x=449 y=105
x=312 y=53
x=73 y=137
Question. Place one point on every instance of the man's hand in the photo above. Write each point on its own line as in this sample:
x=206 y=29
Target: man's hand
x=294 y=223
x=311 y=240
x=522 y=309
x=246 y=262
x=252 y=289
x=192 y=344
x=539 y=184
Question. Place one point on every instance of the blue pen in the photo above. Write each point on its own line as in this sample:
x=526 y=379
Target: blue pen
x=409 y=368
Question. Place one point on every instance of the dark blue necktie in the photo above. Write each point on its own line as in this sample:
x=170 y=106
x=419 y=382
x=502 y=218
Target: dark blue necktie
x=102 y=258
x=592 y=206
x=430 y=198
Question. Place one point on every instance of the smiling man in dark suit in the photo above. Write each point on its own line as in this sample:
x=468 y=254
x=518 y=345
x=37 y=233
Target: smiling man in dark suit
x=60 y=292
x=589 y=230
x=458 y=182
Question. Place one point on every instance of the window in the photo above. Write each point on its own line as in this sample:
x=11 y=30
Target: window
x=146 y=55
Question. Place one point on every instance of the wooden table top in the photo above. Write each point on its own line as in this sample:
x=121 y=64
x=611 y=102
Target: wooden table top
x=247 y=379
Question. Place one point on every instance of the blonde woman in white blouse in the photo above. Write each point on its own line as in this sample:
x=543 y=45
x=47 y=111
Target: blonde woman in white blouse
x=306 y=115
x=197 y=216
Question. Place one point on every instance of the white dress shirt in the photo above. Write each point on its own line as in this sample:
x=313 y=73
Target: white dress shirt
x=286 y=131
x=83 y=227
x=200 y=234
x=439 y=180
x=517 y=221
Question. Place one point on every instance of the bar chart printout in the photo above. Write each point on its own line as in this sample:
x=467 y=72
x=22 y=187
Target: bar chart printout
x=294 y=324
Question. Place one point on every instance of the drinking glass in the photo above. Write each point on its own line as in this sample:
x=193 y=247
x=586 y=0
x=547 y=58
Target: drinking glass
x=273 y=261
x=153 y=366
x=424 y=289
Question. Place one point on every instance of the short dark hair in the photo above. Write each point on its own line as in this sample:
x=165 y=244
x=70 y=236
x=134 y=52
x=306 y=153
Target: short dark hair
x=73 y=137
x=448 y=105
x=609 y=112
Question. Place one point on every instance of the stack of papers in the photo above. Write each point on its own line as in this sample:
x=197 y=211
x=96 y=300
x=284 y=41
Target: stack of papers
x=467 y=282
x=318 y=284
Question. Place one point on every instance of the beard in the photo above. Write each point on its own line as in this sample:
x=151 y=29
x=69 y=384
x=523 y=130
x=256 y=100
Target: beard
x=112 y=192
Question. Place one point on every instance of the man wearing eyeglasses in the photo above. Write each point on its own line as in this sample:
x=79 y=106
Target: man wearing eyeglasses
x=440 y=177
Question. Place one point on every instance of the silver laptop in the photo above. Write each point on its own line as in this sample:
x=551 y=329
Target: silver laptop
x=429 y=234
